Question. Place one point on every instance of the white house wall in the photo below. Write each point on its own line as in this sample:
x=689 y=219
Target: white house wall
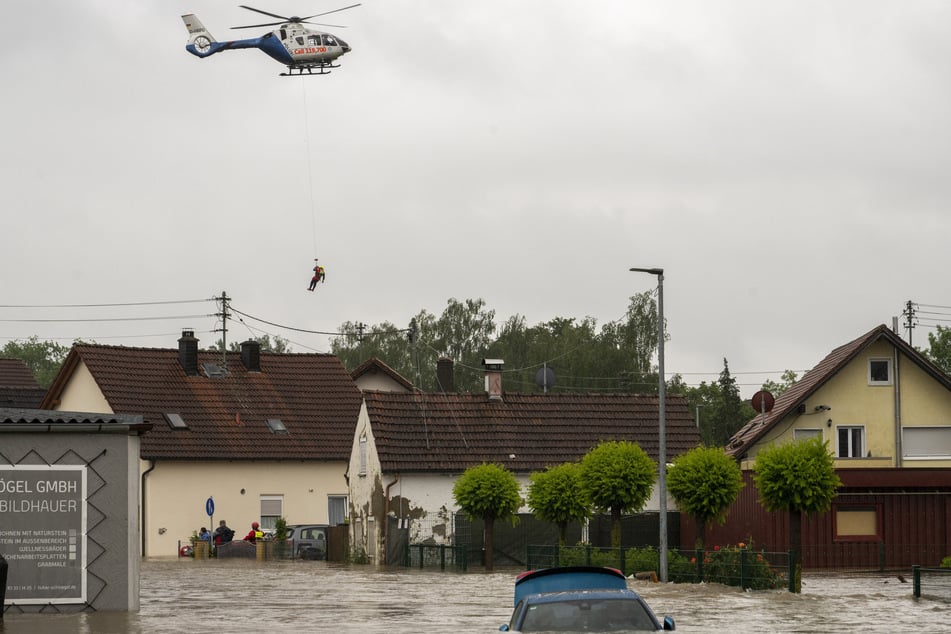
x=175 y=493
x=82 y=394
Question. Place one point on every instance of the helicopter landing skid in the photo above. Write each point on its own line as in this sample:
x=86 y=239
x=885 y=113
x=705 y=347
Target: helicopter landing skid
x=316 y=69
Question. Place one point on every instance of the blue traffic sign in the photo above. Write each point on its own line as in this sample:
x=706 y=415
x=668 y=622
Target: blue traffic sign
x=210 y=507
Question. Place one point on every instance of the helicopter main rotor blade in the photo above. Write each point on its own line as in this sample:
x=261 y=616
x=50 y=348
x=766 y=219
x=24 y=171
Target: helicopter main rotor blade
x=273 y=15
x=256 y=26
x=333 y=26
x=317 y=15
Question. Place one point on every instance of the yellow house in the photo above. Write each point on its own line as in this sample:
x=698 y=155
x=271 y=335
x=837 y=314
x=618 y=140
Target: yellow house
x=876 y=400
x=262 y=435
x=884 y=411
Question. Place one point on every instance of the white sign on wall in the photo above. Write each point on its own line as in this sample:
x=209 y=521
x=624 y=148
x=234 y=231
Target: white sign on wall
x=43 y=532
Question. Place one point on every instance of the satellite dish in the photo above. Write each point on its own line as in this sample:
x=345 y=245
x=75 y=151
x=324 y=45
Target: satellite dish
x=545 y=378
x=762 y=401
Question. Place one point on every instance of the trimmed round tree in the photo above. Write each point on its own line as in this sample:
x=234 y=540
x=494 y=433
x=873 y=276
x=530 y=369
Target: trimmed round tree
x=618 y=476
x=797 y=477
x=555 y=495
x=489 y=492
x=705 y=482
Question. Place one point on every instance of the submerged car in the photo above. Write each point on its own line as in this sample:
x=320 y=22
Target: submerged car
x=580 y=599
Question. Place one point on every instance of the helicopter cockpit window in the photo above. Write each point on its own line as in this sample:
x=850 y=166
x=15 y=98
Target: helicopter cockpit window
x=313 y=40
x=300 y=40
x=329 y=40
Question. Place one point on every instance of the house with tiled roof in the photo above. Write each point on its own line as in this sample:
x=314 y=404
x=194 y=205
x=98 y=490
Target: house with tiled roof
x=885 y=411
x=264 y=435
x=409 y=448
x=18 y=386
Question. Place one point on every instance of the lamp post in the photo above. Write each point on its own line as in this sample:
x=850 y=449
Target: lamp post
x=662 y=423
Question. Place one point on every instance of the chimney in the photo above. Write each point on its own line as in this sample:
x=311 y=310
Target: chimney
x=251 y=355
x=493 y=378
x=444 y=375
x=188 y=352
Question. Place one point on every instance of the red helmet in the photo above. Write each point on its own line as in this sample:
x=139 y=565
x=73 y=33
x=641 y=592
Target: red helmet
x=255 y=525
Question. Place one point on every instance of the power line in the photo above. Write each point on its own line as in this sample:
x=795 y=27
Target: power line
x=112 y=305
x=166 y=317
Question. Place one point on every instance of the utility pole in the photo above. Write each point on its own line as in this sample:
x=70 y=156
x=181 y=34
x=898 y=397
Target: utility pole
x=223 y=315
x=909 y=315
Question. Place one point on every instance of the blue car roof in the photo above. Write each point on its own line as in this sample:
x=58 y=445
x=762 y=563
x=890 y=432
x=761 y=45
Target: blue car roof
x=569 y=579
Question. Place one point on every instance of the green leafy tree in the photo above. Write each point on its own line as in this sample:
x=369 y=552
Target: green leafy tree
x=797 y=477
x=618 y=476
x=721 y=410
x=555 y=495
x=705 y=482
x=489 y=492
x=787 y=380
x=939 y=348
x=277 y=344
x=386 y=341
x=44 y=358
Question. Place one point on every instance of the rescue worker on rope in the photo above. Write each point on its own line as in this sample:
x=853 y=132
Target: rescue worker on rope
x=318 y=276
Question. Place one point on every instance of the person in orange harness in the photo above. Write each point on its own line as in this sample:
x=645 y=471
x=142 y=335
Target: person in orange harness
x=319 y=276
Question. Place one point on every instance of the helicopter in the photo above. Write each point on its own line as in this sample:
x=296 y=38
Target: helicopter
x=301 y=49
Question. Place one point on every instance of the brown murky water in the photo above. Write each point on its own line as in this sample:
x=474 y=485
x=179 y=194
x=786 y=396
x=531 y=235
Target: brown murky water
x=302 y=596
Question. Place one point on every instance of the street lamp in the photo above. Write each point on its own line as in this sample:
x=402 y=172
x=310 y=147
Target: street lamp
x=662 y=431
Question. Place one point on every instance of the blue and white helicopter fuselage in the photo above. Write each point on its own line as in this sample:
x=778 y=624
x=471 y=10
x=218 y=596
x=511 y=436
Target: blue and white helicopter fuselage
x=302 y=50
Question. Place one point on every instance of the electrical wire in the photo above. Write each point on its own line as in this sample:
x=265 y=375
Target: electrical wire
x=113 y=305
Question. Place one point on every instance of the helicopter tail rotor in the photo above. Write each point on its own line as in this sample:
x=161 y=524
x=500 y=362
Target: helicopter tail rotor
x=199 y=39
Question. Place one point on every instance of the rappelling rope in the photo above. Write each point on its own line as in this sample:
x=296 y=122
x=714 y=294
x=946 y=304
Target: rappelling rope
x=310 y=171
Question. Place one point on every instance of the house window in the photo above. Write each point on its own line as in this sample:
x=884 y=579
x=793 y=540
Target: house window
x=806 y=434
x=272 y=507
x=926 y=442
x=363 y=455
x=857 y=523
x=337 y=509
x=879 y=371
x=851 y=441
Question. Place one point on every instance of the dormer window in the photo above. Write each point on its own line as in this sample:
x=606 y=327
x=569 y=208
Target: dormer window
x=880 y=371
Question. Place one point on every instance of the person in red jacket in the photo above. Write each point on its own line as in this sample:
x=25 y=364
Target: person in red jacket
x=319 y=275
x=254 y=534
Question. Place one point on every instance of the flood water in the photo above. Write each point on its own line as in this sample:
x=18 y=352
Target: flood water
x=303 y=596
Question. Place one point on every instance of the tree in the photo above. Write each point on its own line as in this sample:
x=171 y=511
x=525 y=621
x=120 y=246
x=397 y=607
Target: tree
x=278 y=344
x=722 y=411
x=385 y=341
x=44 y=358
x=939 y=348
x=705 y=482
x=555 y=495
x=618 y=476
x=787 y=380
x=797 y=477
x=489 y=492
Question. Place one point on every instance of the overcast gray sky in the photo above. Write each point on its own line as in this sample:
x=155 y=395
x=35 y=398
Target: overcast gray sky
x=786 y=163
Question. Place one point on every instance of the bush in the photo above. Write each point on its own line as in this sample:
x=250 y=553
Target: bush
x=946 y=562
x=740 y=565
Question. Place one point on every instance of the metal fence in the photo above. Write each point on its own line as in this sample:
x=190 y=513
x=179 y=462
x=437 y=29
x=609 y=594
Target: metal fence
x=932 y=582
x=440 y=556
